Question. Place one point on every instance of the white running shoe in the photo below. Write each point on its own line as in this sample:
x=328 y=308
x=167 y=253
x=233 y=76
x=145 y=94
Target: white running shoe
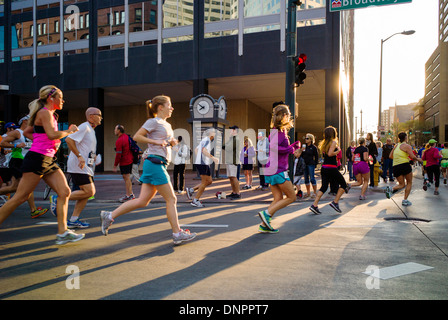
x=197 y=203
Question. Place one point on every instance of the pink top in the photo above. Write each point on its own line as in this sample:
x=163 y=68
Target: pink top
x=42 y=144
x=431 y=156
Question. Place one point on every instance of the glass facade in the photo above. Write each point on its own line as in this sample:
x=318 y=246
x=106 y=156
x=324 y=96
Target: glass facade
x=141 y=21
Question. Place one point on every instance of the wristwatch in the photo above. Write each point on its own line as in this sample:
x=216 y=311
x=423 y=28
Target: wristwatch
x=79 y=155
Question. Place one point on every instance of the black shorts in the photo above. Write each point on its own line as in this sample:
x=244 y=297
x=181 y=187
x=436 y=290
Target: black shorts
x=15 y=165
x=203 y=170
x=402 y=169
x=126 y=169
x=248 y=166
x=5 y=175
x=81 y=179
x=39 y=164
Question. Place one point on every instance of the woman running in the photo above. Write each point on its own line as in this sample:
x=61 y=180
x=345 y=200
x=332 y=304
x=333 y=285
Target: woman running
x=432 y=157
x=40 y=162
x=329 y=172
x=158 y=134
x=276 y=171
x=402 y=168
x=361 y=170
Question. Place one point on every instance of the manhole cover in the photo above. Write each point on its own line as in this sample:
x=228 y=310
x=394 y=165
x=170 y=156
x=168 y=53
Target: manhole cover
x=407 y=220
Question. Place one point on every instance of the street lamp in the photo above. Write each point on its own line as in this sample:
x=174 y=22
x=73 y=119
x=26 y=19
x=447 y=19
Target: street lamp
x=406 y=33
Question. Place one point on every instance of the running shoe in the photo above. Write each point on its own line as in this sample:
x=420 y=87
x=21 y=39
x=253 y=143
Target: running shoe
x=335 y=206
x=197 y=203
x=299 y=194
x=315 y=210
x=263 y=229
x=362 y=197
x=69 y=236
x=53 y=203
x=38 y=212
x=406 y=203
x=388 y=192
x=126 y=198
x=266 y=218
x=436 y=193
x=189 y=192
x=425 y=185
x=347 y=189
x=77 y=224
x=184 y=235
x=444 y=181
x=106 y=221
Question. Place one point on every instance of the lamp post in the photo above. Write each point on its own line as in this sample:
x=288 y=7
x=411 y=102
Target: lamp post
x=406 y=33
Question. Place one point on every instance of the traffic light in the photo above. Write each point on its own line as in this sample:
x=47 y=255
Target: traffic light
x=410 y=131
x=299 y=62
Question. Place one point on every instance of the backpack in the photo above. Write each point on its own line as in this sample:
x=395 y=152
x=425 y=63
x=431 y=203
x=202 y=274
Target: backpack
x=135 y=150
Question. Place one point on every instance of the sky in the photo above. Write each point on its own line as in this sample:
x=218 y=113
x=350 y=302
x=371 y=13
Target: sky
x=404 y=57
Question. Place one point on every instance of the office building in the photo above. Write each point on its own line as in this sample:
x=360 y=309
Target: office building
x=117 y=54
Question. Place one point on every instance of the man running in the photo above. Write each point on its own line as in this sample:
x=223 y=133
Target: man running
x=81 y=164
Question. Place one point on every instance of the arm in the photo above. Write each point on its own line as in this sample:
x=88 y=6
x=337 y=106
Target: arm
x=141 y=136
x=72 y=146
x=332 y=151
x=46 y=118
x=408 y=150
x=7 y=141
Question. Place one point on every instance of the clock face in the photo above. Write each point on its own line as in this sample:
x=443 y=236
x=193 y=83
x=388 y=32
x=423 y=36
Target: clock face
x=203 y=107
x=222 y=108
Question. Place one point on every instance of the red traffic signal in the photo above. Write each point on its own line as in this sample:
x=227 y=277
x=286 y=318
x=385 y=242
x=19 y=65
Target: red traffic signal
x=300 y=66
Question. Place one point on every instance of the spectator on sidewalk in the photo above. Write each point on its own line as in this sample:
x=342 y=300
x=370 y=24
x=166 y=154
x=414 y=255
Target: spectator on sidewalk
x=181 y=153
x=262 y=158
x=232 y=147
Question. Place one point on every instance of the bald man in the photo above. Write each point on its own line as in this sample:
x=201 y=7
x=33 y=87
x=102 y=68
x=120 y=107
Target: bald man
x=81 y=164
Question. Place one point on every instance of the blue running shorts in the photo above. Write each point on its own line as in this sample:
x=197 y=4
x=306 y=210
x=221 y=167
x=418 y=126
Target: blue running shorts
x=278 y=178
x=154 y=173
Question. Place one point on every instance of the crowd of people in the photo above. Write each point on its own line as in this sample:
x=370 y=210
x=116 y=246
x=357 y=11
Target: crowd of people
x=35 y=141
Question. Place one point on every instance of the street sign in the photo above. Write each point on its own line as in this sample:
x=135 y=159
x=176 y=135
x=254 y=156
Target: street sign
x=426 y=132
x=339 y=5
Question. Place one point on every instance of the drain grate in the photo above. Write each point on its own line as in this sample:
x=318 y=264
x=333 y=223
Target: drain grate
x=406 y=220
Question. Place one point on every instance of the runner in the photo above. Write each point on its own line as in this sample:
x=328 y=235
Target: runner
x=158 y=134
x=329 y=172
x=444 y=162
x=81 y=164
x=40 y=163
x=203 y=161
x=276 y=171
x=432 y=157
x=15 y=140
x=361 y=170
x=402 y=168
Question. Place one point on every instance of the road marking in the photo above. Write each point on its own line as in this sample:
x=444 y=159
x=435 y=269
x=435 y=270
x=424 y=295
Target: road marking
x=206 y=225
x=398 y=270
x=45 y=223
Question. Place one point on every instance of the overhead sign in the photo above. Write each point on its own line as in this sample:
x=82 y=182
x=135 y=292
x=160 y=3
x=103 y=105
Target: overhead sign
x=338 y=5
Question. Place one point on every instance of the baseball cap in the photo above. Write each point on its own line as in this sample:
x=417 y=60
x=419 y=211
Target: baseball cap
x=432 y=141
x=11 y=125
x=23 y=119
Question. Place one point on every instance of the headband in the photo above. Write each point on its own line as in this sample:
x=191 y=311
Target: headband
x=51 y=92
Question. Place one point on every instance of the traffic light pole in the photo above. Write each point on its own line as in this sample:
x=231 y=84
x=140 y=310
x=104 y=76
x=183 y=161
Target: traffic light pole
x=291 y=52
